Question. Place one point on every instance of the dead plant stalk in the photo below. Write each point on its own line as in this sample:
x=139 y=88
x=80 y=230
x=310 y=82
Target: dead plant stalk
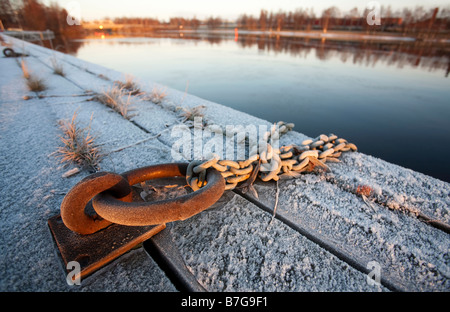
x=114 y=98
x=78 y=145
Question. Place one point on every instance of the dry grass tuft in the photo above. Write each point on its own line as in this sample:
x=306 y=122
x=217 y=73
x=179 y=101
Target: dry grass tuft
x=78 y=145
x=189 y=114
x=129 y=85
x=157 y=95
x=115 y=99
x=36 y=84
x=58 y=68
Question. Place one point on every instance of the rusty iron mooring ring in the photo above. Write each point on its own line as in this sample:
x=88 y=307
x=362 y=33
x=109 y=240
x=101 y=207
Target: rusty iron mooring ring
x=111 y=199
x=74 y=203
x=111 y=208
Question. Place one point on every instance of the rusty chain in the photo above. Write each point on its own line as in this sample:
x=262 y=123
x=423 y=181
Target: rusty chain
x=268 y=163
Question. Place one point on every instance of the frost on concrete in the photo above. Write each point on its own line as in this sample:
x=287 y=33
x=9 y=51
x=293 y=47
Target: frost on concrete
x=410 y=252
x=121 y=275
x=403 y=188
x=234 y=248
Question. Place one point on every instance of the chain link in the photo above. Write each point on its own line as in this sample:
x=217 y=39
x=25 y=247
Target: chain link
x=270 y=163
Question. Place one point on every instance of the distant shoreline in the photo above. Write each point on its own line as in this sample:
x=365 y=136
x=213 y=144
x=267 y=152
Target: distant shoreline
x=312 y=34
x=316 y=34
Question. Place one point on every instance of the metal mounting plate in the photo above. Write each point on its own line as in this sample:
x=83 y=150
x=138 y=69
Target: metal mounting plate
x=96 y=250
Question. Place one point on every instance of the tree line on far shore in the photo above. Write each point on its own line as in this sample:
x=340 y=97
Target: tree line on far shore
x=34 y=15
x=406 y=20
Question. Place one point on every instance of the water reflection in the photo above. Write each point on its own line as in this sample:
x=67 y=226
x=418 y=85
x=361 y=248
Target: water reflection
x=425 y=55
x=63 y=44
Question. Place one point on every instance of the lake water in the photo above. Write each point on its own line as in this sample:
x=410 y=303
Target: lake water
x=391 y=99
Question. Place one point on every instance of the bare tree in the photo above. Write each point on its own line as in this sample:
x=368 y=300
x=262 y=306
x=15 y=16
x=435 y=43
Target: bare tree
x=280 y=18
x=300 y=18
x=263 y=19
x=7 y=15
x=33 y=15
x=353 y=15
x=329 y=17
x=213 y=23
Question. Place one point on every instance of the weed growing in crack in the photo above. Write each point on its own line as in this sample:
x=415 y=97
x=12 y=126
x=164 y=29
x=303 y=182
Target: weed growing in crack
x=34 y=83
x=189 y=114
x=118 y=99
x=130 y=84
x=58 y=68
x=78 y=145
x=156 y=96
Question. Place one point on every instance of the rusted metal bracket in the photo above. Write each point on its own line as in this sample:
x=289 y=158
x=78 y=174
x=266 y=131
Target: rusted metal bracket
x=96 y=250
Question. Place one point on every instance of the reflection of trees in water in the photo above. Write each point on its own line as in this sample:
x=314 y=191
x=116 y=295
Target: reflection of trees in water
x=62 y=44
x=429 y=56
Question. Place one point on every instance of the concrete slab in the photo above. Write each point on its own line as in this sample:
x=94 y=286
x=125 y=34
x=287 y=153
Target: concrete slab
x=235 y=247
x=412 y=254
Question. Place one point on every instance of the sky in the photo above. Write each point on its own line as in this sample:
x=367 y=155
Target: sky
x=227 y=9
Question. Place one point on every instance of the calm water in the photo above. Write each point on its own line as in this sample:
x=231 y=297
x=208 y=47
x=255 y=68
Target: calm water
x=391 y=100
